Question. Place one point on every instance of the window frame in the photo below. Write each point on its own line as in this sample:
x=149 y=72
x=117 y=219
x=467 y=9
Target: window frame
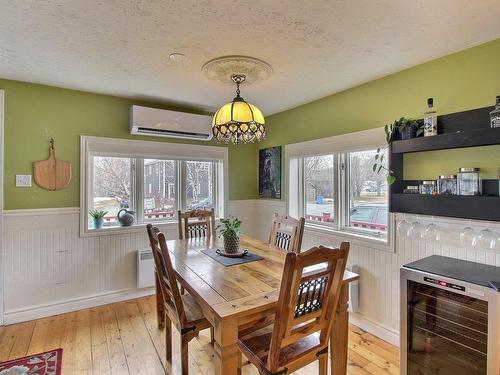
x=137 y=151
x=339 y=146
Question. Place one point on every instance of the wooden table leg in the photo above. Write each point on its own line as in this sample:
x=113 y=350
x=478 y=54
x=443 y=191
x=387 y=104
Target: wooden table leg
x=225 y=347
x=340 y=333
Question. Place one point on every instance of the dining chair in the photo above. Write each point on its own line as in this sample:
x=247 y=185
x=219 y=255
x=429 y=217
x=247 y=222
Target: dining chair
x=309 y=295
x=286 y=232
x=173 y=308
x=202 y=226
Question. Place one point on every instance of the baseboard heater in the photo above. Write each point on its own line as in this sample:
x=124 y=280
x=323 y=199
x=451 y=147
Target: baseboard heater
x=145 y=269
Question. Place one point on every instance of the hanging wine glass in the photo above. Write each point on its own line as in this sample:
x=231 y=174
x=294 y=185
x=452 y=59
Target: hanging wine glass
x=416 y=231
x=403 y=228
x=486 y=239
x=431 y=232
x=468 y=237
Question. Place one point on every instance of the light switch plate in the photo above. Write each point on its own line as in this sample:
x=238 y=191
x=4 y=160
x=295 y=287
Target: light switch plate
x=23 y=180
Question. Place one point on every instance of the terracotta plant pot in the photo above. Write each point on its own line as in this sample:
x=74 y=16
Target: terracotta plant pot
x=231 y=244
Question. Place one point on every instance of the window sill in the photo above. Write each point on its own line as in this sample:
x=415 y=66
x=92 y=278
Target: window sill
x=135 y=228
x=384 y=244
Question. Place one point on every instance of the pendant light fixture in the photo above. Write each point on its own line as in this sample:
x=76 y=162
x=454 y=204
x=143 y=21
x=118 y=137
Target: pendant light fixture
x=238 y=121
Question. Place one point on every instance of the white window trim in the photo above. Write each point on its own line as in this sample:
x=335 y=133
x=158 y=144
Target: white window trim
x=2 y=246
x=351 y=142
x=143 y=149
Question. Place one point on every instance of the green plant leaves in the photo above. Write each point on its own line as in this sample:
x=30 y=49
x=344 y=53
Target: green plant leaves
x=97 y=214
x=229 y=227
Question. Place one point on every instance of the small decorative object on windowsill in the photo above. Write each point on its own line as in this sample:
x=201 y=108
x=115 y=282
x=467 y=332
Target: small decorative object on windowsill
x=125 y=217
x=411 y=189
x=495 y=114
x=428 y=187
x=469 y=181
x=430 y=119
x=402 y=129
x=98 y=216
x=230 y=231
x=447 y=185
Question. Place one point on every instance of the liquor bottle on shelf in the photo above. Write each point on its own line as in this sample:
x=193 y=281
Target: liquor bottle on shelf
x=495 y=115
x=430 y=119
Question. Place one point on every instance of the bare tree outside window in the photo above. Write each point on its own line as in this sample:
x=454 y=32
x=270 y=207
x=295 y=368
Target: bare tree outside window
x=111 y=185
x=319 y=188
x=199 y=184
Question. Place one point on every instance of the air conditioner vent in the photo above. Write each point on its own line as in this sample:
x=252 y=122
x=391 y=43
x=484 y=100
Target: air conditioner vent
x=166 y=123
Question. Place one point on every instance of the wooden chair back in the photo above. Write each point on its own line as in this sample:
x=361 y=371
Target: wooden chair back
x=309 y=295
x=287 y=232
x=166 y=278
x=202 y=226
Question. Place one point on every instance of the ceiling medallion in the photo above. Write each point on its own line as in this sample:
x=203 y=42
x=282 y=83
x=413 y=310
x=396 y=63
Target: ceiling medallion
x=221 y=69
x=238 y=121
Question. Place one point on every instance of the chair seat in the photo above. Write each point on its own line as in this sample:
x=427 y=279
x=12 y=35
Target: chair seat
x=193 y=311
x=255 y=345
x=194 y=314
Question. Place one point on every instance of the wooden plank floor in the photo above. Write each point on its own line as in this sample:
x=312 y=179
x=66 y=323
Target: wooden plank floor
x=122 y=338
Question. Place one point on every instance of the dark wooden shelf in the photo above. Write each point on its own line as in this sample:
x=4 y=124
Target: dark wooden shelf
x=457 y=130
x=460 y=139
x=462 y=206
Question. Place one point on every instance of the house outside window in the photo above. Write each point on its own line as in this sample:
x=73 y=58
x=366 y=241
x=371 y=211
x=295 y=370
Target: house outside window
x=154 y=187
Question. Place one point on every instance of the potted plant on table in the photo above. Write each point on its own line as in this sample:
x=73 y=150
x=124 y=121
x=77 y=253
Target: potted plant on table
x=401 y=129
x=230 y=230
x=98 y=216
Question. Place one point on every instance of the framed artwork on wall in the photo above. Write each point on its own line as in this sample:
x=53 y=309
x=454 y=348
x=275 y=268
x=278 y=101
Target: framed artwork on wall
x=270 y=172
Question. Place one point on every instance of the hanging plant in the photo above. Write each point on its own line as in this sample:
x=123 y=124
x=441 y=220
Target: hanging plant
x=403 y=129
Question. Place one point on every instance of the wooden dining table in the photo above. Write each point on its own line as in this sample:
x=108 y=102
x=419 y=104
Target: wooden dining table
x=233 y=297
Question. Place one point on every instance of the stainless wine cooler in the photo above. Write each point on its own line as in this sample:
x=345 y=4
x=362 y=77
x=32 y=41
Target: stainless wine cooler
x=449 y=318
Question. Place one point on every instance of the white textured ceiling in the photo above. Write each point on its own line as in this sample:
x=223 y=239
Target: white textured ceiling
x=315 y=47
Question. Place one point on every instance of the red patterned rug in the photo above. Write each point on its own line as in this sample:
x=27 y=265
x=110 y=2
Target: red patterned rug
x=48 y=363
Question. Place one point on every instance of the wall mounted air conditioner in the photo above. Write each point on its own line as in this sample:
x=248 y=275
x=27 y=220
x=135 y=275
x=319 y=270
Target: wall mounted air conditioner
x=165 y=123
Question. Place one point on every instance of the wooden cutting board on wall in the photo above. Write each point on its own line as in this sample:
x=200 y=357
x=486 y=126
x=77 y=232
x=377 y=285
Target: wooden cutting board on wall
x=52 y=174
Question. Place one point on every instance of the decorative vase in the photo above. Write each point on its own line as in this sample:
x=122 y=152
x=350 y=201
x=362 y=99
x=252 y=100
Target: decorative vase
x=125 y=217
x=409 y=132
x=98 y=223
x=231 y=244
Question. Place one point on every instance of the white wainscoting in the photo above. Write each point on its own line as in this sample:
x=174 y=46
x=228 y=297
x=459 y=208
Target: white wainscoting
x=378 y=310
x=49 y=269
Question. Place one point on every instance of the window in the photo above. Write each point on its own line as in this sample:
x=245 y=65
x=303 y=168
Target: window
x=155 y=179
x=319 y=188
x=338 y=190
x=159 y=200
x=199 y=184
x=111 y=186
x=367 y=193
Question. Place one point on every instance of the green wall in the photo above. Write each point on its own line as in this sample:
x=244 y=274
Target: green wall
x=461 y=81
x=34 y=113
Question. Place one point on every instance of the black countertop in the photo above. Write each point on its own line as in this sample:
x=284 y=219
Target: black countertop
x=474 y=273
